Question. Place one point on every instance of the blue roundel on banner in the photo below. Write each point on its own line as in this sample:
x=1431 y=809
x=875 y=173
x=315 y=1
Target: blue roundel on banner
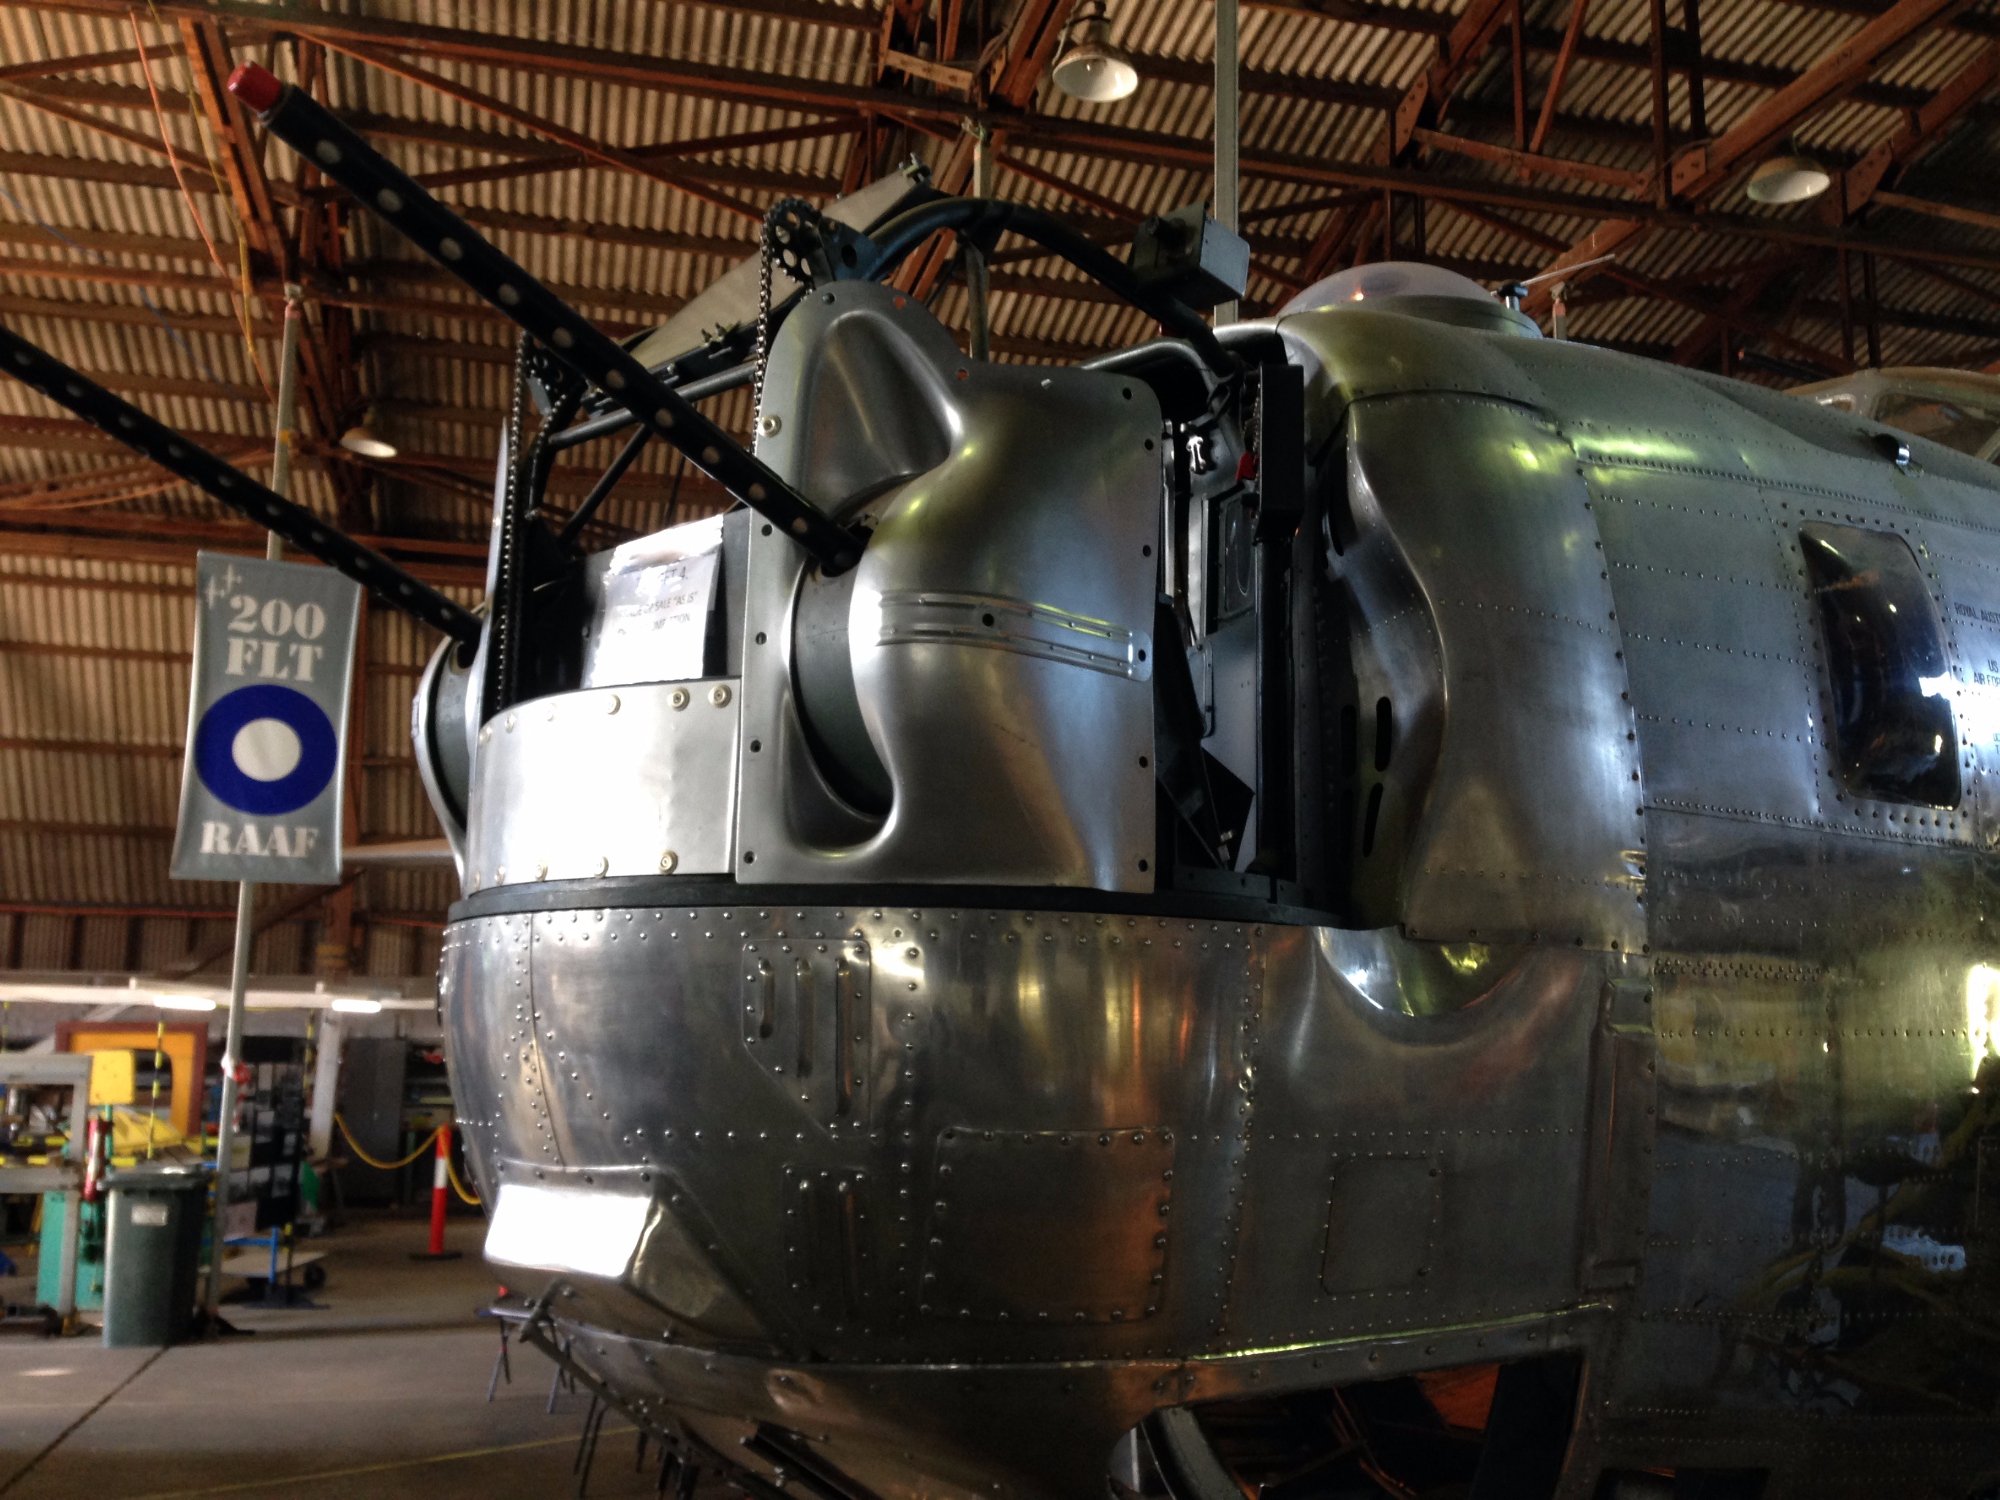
x=265 y=750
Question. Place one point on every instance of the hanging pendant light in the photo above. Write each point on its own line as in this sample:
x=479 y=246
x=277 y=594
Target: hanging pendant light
x=1089 y=67
x=1791 y=178
x=364 y=437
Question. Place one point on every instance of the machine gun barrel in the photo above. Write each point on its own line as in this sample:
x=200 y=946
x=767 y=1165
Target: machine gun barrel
x=232 y=487
x=316 y=134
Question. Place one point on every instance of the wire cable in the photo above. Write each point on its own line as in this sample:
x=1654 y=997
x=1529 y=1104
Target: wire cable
x=381 y=1166
x=229 y=202
x=241 y=309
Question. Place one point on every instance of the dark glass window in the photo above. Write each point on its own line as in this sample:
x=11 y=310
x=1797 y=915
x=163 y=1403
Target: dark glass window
x=1893 y=734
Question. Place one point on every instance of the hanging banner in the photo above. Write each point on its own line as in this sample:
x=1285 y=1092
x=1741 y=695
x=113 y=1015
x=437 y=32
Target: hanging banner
x=267 y=723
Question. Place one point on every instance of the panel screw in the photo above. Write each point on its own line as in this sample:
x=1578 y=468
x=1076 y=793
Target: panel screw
x=678 y=698
x=718 y=695
x=769 y=426
x=611 y=704
x=668 y=861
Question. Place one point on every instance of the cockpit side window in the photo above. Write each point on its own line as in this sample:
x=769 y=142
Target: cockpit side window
x=1894 y=736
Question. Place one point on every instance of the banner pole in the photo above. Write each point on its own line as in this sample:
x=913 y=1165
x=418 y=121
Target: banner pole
x=246 y=891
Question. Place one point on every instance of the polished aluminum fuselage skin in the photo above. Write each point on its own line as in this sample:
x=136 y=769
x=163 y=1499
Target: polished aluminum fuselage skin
x=951 y=1149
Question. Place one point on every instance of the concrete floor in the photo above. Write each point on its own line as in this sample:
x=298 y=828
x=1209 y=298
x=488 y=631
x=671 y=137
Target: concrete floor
x=382 y=1392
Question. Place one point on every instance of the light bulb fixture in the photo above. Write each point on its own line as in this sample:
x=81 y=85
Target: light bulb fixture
x=1089 y=67
x=362 y=437
x=349 y=1005
x=1791 y=178
x=169 y=1000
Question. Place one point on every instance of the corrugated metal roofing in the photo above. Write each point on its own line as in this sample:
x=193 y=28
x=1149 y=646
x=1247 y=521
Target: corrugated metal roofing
x=106 y=260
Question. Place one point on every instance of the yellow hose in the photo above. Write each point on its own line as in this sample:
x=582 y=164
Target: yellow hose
x=383 y=1166
x=459 y=1187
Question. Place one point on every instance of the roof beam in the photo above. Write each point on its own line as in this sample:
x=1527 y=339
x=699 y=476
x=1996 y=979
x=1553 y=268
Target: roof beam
x=670 y=74
x=1647 y=286
x=327 y=384
x=653 y=306
x=69 y=435
x=138 y=174
x=1032 y=36
x=1738 y=313
x=108 y=241
x=152 y=145
x=1856 y=188
x=1200 y=73
x=151 y=539
x=88 y=169
x=1986 y=295
x=898 y=37
x=201 y=389
x=470 y=475
x=1579 y=10
x=1921 y=129
x=96 y=273
x=1636 y=57
x=126 y=97
x=603 y=65
x=242 y=168
x=1697 y=173
x=540 y=162
x=739 y=85
x=1531 y=163
x=1921 y=320
x=84 y=62
x=1422 y=104
x=1701 y=170
x=462 y=563
x=610 y=156
x=1461 y=50
x=1930 y=208
x=530 y=156
x=1473 y=195
x=1361 y=13
x=1122 y=143
x=1979 y=23
x=185 y=248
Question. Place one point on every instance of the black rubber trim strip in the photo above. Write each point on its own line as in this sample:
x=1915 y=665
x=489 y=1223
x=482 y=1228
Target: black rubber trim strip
x=695 y=891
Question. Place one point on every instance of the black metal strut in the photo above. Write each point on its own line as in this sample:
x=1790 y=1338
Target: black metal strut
x=316 y=134
x=232 y=487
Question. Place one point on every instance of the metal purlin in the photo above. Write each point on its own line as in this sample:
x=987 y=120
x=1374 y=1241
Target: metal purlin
x=315 y=133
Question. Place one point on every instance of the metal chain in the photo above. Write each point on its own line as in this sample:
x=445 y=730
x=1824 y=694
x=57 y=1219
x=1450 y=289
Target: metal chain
x=517 y=416
x=501 y=677
x=769 y=247
x=761 y=348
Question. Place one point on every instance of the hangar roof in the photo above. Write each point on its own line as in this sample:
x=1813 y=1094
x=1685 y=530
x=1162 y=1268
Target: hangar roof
x=625 y=152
